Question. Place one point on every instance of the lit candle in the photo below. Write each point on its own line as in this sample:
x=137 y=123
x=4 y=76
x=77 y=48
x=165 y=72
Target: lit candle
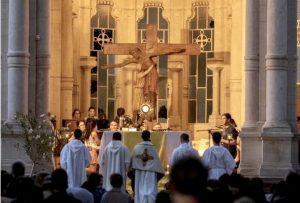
x=167 y=169
x=167 y=123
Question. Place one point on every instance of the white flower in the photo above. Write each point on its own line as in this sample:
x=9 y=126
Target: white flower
x=37 y=137
x=52 y=116
x=30 y=131
x=42 y=116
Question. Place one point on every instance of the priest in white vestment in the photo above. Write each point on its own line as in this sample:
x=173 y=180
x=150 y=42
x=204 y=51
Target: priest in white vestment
x=74 y=158
x=184 y=150
x=147 y=167
x=218 y=159
x=114 y=159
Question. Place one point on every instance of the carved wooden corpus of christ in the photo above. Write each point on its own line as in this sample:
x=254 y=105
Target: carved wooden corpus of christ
x=148 y=53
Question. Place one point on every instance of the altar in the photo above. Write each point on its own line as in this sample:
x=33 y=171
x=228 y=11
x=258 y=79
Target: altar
x=164 y=141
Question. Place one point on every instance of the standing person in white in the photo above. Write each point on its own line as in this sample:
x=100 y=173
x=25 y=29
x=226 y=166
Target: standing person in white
x=115 y=159
x=218 y=159
x=74 y=158
x=146 y=164
x=184 y=150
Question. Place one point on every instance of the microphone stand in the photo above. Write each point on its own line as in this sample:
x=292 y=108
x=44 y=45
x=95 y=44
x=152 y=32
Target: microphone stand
x=209 y=133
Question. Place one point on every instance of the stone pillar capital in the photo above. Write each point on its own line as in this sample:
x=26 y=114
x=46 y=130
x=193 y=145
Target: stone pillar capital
x=215 y=64
x=175 y=66
x=87 y=62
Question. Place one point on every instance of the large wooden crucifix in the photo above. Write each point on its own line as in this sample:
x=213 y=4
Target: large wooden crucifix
x=144 y=55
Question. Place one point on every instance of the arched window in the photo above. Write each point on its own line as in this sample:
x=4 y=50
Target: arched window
x=200 y=77
x=103 y=80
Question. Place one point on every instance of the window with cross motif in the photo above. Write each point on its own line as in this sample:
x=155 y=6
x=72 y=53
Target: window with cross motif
x=153 y=15
x=103 y=80
x=200 y=77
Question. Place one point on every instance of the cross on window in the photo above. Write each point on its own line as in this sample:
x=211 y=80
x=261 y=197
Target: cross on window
x=202 y=39
x=102 y=38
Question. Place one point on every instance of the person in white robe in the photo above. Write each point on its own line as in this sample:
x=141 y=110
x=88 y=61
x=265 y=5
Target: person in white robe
x=147 y=170
x=114 y=159
x=184 y=150
x=74 y=158
x=218 y=159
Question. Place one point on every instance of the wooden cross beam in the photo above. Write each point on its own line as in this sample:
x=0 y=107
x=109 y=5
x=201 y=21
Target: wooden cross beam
x=150 y=46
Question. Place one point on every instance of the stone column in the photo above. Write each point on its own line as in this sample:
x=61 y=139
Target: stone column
x=298 y=62
x=85 y=28
x=216 y=65
x=250 y=137
x=276 y=65
x=55 y=61
x=67 y=61
x=292 y=64
x=17 y=77
x=236 y=65
x=42 y=56
x=86 y=64
x=219 y=32
x=251 y=65
x=292 y=81
x=18 y=57
x=279 y=150
x=175 y=67
x=86 y=61
x=76 y=55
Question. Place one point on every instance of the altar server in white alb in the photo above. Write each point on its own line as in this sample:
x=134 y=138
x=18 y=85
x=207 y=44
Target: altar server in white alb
x=74 y=158
x=114 y=159
x=147 y=170
x=218 y=159
x=185 y=150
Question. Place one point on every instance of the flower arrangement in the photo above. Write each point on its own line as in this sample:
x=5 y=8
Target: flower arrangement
x=41 y=138
x=39 y=135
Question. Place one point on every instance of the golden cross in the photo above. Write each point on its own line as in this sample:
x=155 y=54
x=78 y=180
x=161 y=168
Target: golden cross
x=145 y=157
